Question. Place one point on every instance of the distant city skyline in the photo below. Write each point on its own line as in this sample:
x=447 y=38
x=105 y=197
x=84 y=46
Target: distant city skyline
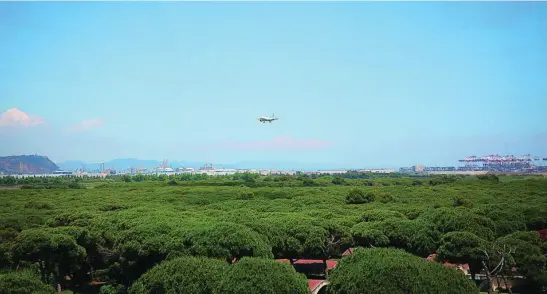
x=122 y=163
x=360 y=84
x=34 y=163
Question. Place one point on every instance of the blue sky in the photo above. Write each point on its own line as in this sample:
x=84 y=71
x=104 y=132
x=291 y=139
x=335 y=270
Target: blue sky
x=371 y=84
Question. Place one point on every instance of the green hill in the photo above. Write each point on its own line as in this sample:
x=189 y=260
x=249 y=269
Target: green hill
x=27 y=164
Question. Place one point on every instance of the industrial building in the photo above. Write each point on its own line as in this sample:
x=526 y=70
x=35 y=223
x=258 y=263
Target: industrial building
x=185 y=170
x=377 y=171
x=208 y=169
x=489 y=163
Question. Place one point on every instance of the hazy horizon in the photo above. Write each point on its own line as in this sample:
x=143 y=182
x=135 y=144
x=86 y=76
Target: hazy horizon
x=372 y=84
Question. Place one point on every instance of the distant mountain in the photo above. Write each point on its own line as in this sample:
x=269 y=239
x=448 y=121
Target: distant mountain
x=27 y=164
x=125 y=163
x=71 y=164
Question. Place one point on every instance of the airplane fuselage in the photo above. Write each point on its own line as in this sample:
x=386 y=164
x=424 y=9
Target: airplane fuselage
x=264 y=119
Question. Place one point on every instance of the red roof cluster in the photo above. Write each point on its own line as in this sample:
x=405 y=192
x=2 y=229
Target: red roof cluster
x=464 y=267
x=314 y=283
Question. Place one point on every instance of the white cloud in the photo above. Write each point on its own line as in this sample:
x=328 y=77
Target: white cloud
x=16 y=118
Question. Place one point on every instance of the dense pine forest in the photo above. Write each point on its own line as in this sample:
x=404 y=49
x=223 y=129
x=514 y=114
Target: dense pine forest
x=228 y=234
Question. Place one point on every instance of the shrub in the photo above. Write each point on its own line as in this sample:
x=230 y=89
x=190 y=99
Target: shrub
x=308 y=182
x=70 y=219
x=385 y=198
x=338 y=181
x=374 y=215
x=38 y=205
x=489 y=177
x=111 y=207
x=369 y=183
x=443 y=179
x=76 y=185
x=245 y=195
x=358 y=196
x=461 y=201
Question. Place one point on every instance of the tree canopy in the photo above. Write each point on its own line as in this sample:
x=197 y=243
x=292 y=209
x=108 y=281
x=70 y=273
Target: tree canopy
x=385 y=270
x=256 y=275
x=120 y=230
x=183 y=275
x=23 y=282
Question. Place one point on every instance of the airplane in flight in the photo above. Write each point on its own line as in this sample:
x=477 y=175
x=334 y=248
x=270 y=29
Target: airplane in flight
x=264 y=119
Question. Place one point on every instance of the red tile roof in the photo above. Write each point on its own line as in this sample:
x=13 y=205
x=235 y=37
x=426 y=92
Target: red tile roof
x=348 y=252
x=312 y=284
